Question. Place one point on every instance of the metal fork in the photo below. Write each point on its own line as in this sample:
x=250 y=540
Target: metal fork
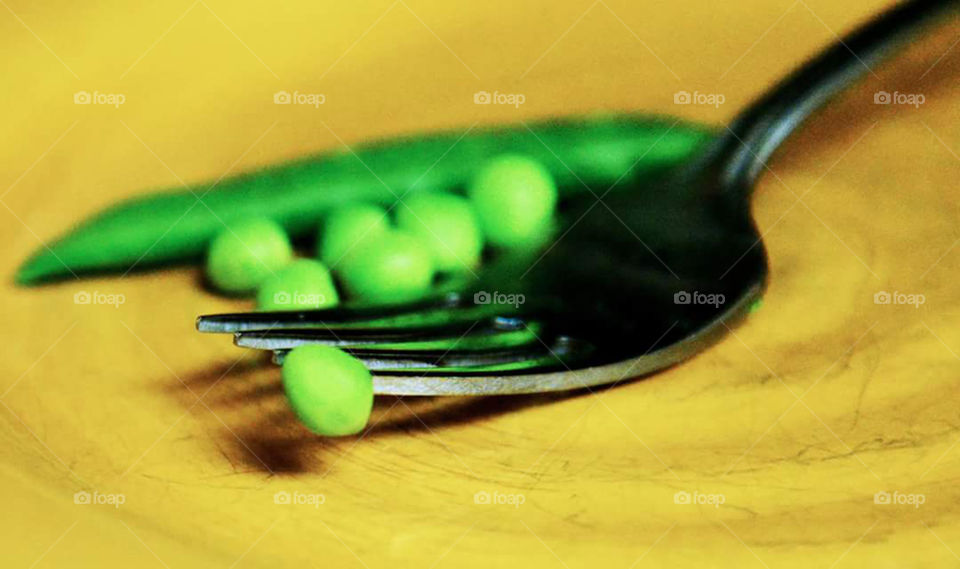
x=638 y=279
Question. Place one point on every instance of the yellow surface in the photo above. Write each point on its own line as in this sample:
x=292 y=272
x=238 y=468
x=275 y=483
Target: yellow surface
x=821 y=400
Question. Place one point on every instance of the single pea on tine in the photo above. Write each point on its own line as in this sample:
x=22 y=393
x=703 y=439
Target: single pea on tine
x=330 y=391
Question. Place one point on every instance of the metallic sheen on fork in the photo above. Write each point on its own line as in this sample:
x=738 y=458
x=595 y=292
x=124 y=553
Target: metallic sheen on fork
x=638 y=279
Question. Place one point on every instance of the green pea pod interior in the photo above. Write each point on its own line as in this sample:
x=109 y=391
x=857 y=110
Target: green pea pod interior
x=176 y=226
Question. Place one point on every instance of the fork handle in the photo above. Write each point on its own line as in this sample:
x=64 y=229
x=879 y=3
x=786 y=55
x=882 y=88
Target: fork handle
x=763 y=126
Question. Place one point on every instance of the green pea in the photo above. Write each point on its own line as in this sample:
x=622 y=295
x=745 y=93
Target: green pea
x=302 y=285
x=447 y=224
x=246 y=253
x=346 y=227
x=330 y=391
x=514 y=197
x=391 y=267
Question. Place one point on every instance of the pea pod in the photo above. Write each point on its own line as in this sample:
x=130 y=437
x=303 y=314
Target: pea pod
x=176 y=226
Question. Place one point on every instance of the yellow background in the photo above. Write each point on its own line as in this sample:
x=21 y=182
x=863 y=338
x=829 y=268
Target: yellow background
x=819 y=401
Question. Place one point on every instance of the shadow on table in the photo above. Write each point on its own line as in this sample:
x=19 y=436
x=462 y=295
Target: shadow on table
x=244 y=401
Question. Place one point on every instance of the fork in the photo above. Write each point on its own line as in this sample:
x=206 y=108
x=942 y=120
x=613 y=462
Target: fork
x=638 y=279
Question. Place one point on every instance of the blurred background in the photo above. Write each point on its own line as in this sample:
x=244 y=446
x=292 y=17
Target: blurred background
x=129 y=439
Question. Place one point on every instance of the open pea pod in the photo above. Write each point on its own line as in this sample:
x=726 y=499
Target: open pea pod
x=176 y=226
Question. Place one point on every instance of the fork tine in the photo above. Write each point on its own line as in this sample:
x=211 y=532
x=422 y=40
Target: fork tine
x=449 y=309
x=235 y=322
x=531 y=357
x=485 y=334
x=289 y=338
x=383 y=360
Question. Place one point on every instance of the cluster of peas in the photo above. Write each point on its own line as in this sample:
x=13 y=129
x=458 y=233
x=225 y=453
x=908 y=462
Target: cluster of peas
x=509 y=203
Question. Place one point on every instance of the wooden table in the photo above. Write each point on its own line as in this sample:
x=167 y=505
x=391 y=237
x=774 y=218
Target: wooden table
x=779 y=438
